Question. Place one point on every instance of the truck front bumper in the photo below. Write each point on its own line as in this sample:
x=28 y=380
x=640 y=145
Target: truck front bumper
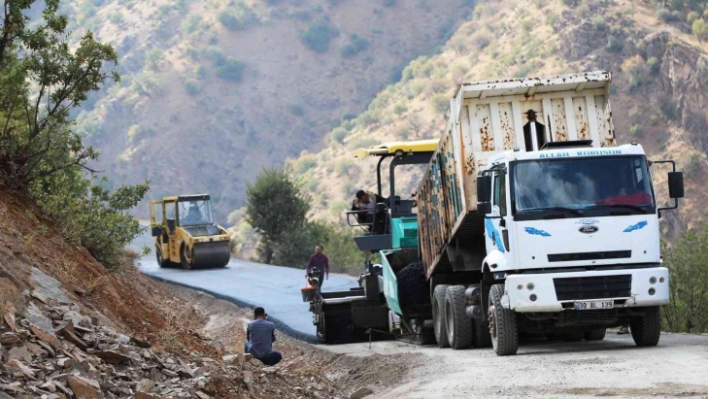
x=554 y=292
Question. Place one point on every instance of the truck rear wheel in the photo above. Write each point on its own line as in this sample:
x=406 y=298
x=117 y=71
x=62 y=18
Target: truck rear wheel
x=457 y=324
x=438 y=315
x=595 y=335
x=502 y=324
x=646 y=329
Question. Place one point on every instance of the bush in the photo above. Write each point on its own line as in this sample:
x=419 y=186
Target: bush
x=232 y=69
x=389 y=3
x=700 y=29
x=116 y=18
x=229 y=20
x=306 y=163
x=318 y=36
x=192 y=87
x=599 y=22
x=481 y=40
x=614 y=45
x=635 y=130
x=667 y=16
x=400 y=109
x=637 y=69
x=654 y=66
x=241 y=19
x=339 y=134
x=296 y=109
x=355 y=45
x=688 y=284
x=153 y=58
x=192 y=23
x=441 y=103
x=692 y=17
x=668 y=107
x=343 y=167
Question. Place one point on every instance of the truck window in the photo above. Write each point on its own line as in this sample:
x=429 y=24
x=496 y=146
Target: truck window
x=500 y=192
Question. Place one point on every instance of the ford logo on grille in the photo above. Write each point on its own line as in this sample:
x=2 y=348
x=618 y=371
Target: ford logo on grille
x=588 y=229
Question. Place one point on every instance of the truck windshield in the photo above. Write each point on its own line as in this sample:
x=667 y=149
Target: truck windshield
x=582 y=184
x=194 y=213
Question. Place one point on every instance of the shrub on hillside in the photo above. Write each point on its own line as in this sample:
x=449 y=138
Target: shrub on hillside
x=339 y=134
x=192 y=87
x=700 y=29
x=441 y=103
x=614 y=45
x=318 y=35
x=688 y=284
x=296 y=109
x=231 y=69
x=355 y=45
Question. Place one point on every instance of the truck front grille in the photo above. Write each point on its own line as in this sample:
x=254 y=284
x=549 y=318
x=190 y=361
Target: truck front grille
x=580 y=288
x=579 y=256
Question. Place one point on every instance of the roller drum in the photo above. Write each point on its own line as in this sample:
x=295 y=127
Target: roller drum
x=209 y=255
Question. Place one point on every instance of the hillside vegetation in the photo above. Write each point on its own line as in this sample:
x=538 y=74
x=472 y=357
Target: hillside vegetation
x=212 y=91
x=660 y=81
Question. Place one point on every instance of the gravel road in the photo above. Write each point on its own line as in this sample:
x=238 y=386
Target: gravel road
x=615 y=367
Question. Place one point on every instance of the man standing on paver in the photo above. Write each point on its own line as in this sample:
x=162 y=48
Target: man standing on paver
x=260 y=335
x=321 y=262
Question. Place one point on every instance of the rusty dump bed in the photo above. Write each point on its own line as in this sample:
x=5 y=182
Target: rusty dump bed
x=487 y=118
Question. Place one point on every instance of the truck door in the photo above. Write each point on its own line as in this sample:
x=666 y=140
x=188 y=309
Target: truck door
x=170 y=218
x=495 y=223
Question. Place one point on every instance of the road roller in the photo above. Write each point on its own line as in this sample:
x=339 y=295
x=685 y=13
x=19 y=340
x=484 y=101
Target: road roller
x=185 y=234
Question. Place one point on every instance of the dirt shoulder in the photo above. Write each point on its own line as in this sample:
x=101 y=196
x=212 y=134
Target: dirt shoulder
x=613 y=367
x=69 y=328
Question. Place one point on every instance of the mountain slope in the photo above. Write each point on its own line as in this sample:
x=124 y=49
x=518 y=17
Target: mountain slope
x=659 y=90
x=213 y=91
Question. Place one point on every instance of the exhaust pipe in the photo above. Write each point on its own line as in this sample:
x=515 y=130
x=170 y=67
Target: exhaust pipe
x=474 y=312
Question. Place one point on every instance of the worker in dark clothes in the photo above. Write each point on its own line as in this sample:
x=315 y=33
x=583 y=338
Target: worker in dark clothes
x=260 y=335
x=373 y=211
x=319 y=261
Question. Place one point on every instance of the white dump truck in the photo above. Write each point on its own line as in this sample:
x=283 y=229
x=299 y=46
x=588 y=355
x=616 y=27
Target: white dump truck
x=532 y=221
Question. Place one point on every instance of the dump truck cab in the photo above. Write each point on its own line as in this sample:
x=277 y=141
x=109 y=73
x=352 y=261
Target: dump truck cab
x=185 y=233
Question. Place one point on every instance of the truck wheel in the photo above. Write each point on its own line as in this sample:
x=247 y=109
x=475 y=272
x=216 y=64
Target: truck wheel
x=438 y=315
x=457 y=324
x=412 y=285
x=595 y=335
x=502 y=324
x=646 y=329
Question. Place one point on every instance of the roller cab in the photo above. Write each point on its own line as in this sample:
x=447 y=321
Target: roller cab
x=185 y=234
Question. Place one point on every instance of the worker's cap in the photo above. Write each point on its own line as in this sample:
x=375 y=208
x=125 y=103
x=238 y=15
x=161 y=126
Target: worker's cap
x=360 y=194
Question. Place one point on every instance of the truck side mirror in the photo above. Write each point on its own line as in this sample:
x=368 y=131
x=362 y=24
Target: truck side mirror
x=676 y=184
x=157 y=231
x=484 y=208
x=484 y=189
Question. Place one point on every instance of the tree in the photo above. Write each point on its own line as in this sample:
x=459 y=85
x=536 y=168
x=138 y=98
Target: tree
x=44 y=76
x=41 y=80
x=275 y=207
x=688 y=283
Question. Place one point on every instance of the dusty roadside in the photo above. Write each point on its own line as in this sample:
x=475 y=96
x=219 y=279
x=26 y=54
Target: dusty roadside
x=677 y=368
x=71 y=329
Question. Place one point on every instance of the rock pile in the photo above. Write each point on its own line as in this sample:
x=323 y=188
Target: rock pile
x=63 y=354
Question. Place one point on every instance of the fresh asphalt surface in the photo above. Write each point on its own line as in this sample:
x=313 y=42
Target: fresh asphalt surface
x=275 y=288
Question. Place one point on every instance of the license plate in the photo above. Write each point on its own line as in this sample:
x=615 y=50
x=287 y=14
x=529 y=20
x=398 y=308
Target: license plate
x=590 y=305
